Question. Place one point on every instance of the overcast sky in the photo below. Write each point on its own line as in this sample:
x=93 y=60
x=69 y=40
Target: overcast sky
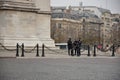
x=113 y=5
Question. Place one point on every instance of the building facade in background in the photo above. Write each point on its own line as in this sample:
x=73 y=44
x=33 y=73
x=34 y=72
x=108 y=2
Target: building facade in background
x=115 y=30
x=75 y=24
x=95 y=24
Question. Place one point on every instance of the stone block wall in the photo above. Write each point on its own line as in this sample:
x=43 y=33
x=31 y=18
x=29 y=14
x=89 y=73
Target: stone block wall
x=28 y=23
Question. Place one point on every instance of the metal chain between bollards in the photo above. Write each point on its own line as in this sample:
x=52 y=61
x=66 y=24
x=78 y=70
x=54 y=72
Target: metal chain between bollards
x=105 y=50
x=6 y=48
x=24 y=51
x=30 y=50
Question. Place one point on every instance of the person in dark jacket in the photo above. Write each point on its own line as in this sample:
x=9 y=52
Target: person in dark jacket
x=78 y=47
x=70 y=46
x=75 y=46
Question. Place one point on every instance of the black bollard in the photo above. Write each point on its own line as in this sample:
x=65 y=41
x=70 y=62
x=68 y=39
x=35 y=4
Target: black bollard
x=113 y=51
x=22 y=55
x=88 y=50
x=43 y=54
x=94 y=50
x=37 y=55
x=17 y=50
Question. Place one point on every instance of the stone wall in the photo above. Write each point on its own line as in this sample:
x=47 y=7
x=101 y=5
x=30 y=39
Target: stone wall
x=23 y=24
x=43 y=5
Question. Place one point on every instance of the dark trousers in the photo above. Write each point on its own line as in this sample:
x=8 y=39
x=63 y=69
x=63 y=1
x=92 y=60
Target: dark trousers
x=78 y=52
x=75 y=51
x=70 y=52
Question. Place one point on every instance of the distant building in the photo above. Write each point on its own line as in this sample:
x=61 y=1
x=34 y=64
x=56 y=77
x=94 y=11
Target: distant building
x=103 y=14
x=115 y=30
x=72 y=22
x=64 y=28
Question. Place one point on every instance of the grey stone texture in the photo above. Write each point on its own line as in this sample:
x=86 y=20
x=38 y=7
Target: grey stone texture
x=25 y=21
x=60 y=69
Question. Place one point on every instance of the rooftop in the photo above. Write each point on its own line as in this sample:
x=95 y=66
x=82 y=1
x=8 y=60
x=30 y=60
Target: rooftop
x=75 y=15
x=102 y=10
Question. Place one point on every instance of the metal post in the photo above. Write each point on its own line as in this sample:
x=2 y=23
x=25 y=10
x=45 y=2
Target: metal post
x=17 y=50
x=43 y=54
x=88 y=50
x=22 y=55
x=37 y=55
x=113 y=50
x=94 y=50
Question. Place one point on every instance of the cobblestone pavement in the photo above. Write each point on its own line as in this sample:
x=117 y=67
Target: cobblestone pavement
x=60 y=69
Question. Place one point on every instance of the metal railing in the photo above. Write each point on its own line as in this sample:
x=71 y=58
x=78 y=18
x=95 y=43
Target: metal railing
x=44 y=47
x=112 y=49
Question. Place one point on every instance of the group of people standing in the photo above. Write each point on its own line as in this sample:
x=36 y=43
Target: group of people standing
x=74 y=47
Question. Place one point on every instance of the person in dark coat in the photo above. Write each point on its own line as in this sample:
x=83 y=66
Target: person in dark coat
x=70 y=46
x=78 y=47
x=75 y=46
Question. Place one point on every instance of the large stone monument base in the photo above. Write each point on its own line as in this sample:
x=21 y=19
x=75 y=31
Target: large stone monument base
x=24 y=21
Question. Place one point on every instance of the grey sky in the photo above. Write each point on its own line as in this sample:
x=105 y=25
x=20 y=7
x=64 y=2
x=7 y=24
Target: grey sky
x=113 y=5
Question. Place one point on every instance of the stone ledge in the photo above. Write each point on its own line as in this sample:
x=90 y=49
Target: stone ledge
x=25 y=9
x=18 y=3
x=21 y=6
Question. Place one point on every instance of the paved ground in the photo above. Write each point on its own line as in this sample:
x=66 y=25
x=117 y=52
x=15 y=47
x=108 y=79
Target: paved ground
x=60 y=69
